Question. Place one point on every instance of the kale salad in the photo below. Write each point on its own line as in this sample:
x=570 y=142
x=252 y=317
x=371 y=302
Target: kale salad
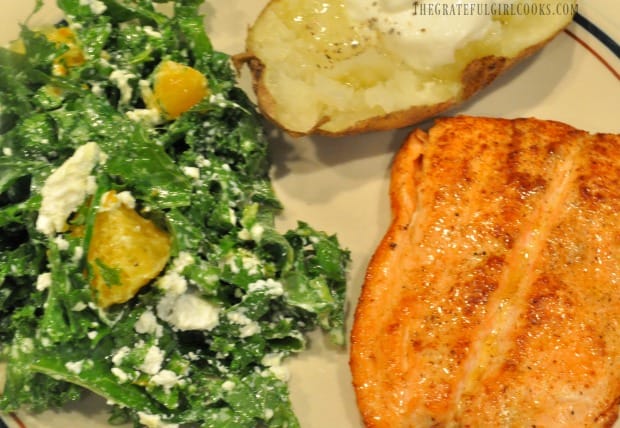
x=139 y=255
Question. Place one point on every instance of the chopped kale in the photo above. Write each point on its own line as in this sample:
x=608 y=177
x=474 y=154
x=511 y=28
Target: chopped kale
x=201 y=339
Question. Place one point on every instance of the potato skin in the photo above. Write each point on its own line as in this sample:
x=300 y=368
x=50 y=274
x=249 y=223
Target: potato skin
x=477 y=75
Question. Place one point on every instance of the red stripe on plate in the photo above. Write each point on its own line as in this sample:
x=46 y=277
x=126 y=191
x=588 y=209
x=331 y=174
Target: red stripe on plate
x=18 y=421
x=594 y=52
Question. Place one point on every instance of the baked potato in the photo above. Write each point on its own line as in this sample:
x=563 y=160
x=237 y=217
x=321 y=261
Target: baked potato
x=339 y=67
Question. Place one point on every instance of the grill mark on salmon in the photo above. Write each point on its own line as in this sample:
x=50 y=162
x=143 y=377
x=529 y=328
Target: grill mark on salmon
x=491 y=301
x=518 y=273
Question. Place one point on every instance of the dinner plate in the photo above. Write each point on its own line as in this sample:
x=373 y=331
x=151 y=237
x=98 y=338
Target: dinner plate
x=340 y=185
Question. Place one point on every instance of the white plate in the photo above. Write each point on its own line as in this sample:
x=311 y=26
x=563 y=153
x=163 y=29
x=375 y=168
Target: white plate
x=340 y=185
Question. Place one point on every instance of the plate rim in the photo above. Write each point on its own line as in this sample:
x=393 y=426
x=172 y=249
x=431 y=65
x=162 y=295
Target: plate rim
x=601 y=42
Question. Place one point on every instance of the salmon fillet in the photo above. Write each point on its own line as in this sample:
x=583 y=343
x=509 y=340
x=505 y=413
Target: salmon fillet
x=492 y=300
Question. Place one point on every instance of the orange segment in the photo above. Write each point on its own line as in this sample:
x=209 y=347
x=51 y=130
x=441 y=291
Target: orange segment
x=128 y=245
x=178 y=87
x=72 y=57
x=60 y=36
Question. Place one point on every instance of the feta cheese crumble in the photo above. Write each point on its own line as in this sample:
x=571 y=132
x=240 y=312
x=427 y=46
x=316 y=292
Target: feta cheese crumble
x=183 y=260
x=44 y=281
x=121 y=79
x=118 y=357
x=228 y=385
x=112 y=201
x=153 y=360
x=151 y=32
x=167 y=379
x=97 y=7
x=61 y=243
x=173 y=283
x=255 y=233
x=67 y=188
x=274 y=363
x=75 y=366
x=192 y=172
x=248 y=328
x=154 y=421
x=147 y=324
x=270 y=286
x=147 y=116
x=79 y=307
x=188 y=312
x=120 y=374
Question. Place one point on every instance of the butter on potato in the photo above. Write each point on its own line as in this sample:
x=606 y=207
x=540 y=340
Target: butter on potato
x=339 y=67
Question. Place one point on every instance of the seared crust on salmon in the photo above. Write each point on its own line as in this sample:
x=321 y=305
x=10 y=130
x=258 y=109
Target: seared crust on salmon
x=492 y=300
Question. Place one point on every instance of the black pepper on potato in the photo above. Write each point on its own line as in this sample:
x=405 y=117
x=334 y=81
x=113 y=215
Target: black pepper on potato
x=343 y=67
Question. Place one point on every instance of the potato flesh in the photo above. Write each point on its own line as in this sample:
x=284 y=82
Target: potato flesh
x=320 y=67
x=128 y=243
